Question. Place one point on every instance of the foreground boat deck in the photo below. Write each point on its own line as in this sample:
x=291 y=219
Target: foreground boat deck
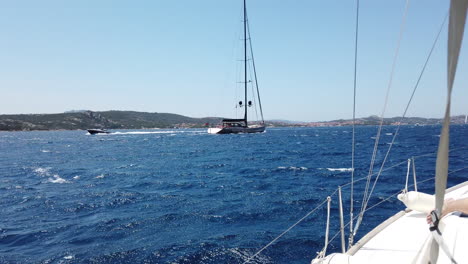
x=405 y=238
x=402 y=238
x=398 y=242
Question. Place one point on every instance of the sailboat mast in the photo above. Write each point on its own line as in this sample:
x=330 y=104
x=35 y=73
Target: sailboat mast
x=245 y=63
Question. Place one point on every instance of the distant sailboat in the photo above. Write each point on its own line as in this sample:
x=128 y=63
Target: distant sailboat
x=234 y=126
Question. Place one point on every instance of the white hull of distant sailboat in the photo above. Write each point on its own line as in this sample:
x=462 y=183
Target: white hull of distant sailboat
x=214 y=130
x=236 y=130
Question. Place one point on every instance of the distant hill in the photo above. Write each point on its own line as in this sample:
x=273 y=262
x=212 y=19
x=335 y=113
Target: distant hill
x=85 y=119
x=108 y=119
x=375 y=120
x=368 y=121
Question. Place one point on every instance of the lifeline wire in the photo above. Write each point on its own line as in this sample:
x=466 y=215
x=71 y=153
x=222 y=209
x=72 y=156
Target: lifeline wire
x=287 y=230
x=388 y=198
x=344 y=185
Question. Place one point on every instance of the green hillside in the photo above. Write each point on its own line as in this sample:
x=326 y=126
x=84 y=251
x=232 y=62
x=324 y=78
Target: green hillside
x=106 y=119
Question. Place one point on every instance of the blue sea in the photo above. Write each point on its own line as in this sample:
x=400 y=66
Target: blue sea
x=184 y=196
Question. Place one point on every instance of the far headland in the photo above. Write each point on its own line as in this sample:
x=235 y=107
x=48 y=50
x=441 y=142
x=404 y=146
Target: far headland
x=85 y=119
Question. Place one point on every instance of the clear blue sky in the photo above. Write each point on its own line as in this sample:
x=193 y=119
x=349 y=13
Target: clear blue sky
x=180 y=56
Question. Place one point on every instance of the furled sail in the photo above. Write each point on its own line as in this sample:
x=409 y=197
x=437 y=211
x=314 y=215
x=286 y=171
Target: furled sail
x=458 y=9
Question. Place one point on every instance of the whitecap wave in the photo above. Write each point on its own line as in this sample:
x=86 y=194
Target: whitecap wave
x=340 y=169
x=101 y=176
x=292 y=168
x=56 y=179
x=42 y=171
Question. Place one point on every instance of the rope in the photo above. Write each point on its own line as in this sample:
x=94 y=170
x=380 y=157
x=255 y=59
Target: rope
x=255 y=73
x=404 y=113
x=331 y=195
x=377 y=139
x=406 y=110
x=375 y=205
x=388 y=198
x=433 y=153
x=365 y=177
x=398 y=164
x=249 y=67
x=253 y=94
x=458 y=170
x=370 y=208
x=308 y=214
x=351 y=210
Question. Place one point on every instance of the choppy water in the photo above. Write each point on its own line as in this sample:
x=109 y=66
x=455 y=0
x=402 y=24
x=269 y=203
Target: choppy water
x=184 y=196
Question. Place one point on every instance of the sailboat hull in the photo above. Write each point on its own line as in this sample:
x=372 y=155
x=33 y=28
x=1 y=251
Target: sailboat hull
x=236 y=130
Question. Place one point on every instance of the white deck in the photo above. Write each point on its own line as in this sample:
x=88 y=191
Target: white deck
x=404 y=238
x=397 y=243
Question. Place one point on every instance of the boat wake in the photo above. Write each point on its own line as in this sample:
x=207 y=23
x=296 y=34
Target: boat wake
x=292 y=168
x=151 y=132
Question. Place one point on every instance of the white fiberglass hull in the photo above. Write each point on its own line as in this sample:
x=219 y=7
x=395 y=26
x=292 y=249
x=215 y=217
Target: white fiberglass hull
x=405 y=237
x=236 y=130
x=214 y=130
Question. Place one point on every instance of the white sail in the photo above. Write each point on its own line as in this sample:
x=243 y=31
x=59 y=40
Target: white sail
x=457 y=20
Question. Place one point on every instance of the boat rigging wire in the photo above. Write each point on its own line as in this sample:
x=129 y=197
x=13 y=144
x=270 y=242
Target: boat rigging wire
x=286 y=231
x=400 y=163
x=405 y=111
x=377 y=139
x=389 y=197
x=335 y=192
x=351 y=207
x=254 y=70
x=253 y=94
